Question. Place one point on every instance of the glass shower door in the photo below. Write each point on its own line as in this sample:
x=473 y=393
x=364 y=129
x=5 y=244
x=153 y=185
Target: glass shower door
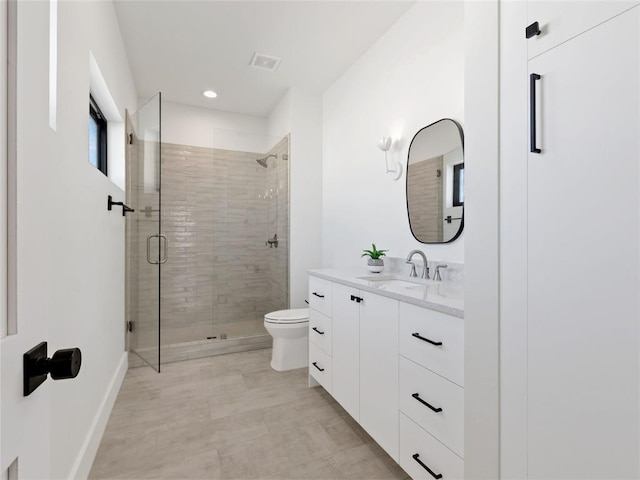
x=146 y=246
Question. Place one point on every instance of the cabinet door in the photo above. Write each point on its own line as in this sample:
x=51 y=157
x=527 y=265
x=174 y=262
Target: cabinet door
x=379 y=370
x=562 y=20
x=346 y=351
x=583 y=219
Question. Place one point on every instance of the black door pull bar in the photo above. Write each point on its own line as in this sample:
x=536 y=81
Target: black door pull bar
x=417 y=397
x=318 y=295
x=315 y=364
x=532 y=111
x=417 y=335
x=416 y=456
x=317 y=331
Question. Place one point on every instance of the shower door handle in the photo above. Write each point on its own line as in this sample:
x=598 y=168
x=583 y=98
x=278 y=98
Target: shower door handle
x=165 y=256
x=149 y=249
x=165 y=248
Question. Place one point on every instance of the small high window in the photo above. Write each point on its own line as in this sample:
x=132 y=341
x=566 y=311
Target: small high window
x=458 y=185
x=97 y=137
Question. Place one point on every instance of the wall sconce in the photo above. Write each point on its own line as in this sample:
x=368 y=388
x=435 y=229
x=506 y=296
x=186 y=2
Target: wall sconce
x=385 y=145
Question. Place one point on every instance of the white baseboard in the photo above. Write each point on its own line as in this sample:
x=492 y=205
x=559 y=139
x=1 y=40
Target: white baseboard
x=82 y=465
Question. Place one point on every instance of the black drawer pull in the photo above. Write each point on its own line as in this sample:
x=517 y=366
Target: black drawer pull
x=433 y=474
x=417 y=335
x=417 y=397
x=356 y=299
x=315 y=364
x=318 y=295
x=317 y=331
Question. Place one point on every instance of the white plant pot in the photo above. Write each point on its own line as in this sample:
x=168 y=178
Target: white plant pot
x=375 y=265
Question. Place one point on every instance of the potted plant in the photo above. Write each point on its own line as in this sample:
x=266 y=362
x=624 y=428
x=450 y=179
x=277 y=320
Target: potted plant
x=375 y=263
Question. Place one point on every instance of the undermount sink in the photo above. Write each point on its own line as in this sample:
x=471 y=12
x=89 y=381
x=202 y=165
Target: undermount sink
x=385 y=282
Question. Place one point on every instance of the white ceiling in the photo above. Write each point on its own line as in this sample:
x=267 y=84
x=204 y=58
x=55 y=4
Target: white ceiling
x=183 y=47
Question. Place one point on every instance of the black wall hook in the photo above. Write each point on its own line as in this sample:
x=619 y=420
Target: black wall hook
x=111 y=203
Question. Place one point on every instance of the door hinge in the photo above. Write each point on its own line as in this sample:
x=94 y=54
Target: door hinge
x=129 y=326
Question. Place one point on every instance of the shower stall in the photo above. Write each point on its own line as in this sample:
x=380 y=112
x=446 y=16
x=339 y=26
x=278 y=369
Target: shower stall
x=208 y=243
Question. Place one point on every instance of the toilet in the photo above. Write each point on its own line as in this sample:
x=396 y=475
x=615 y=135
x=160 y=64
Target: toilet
x=290 y=332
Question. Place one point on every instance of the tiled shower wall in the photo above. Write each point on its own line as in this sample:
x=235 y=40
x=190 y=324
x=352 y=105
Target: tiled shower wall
x=218 y=209
x=424 y=191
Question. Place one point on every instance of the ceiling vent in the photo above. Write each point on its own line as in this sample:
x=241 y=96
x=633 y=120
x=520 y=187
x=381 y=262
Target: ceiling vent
x=265 y=62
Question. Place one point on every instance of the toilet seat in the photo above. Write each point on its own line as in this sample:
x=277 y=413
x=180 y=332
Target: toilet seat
x=296 y=315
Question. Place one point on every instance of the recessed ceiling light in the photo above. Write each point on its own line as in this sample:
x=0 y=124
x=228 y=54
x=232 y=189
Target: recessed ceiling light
x=210 y=94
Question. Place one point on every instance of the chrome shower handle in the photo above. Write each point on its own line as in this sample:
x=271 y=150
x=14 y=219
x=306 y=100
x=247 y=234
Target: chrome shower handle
x=149 y=249
x=165 y=248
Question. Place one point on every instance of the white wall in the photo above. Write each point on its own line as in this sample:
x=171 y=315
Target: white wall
x=481 y=296
x=203 y=127
x=300 y=113
x=410 y=78
x=70 y=248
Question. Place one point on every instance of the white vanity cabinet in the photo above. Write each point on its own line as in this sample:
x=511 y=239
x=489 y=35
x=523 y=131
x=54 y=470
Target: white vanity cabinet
x=397 y=369
x=431 y=393
x=379 y=370
x=320 y=332
x=365 y=362
x=346 y=349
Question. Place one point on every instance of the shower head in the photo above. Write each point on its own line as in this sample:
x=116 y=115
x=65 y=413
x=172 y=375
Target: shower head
x=263 y=161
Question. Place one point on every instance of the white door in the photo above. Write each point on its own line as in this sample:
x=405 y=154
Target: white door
x=24 y=421
x=583 y=248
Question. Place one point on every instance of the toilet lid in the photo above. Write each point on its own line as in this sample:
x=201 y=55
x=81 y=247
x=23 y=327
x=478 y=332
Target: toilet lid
x=296 y=315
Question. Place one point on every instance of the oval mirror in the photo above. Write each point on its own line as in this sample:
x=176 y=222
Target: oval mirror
x=435 y=182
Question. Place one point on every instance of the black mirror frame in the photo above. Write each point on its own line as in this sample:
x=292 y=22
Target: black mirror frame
x=459 y=232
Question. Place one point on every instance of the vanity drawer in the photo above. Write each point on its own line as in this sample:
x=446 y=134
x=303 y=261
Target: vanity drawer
x=434 y=340
x=320 y=330
x=446 y=425
x=320 y=366
x=416 y=445
x=320 y=295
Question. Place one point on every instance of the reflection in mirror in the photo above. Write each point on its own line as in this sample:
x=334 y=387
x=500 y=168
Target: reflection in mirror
x=435 y=182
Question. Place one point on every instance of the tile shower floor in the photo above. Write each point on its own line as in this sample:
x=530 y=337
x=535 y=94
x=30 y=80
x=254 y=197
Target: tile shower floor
x=233 y=417
x=189 y=333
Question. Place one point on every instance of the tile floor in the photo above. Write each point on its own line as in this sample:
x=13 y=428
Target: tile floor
x=233 y=417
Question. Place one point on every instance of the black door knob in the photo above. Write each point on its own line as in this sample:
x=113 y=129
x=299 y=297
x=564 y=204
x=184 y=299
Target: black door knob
x=63 y=364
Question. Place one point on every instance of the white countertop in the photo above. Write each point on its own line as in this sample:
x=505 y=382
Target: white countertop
x=445 y=296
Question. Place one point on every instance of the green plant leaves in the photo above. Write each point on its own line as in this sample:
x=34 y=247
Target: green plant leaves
x=374 y=252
